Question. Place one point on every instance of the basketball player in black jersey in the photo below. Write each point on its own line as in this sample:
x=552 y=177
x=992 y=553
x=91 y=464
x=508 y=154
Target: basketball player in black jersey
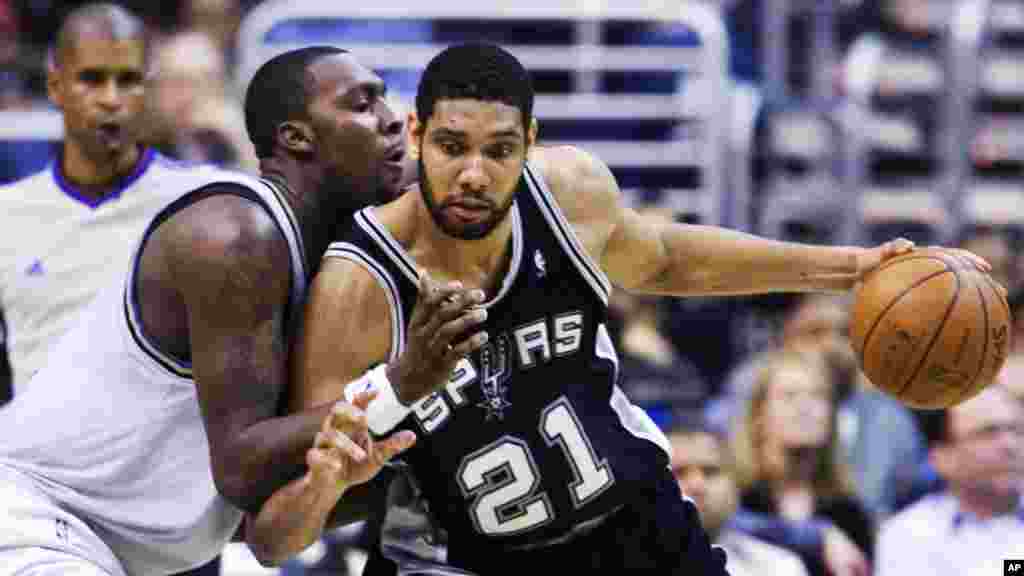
x=528 y=456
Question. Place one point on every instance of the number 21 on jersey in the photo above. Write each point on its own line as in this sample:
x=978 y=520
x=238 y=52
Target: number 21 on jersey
x=502 y=477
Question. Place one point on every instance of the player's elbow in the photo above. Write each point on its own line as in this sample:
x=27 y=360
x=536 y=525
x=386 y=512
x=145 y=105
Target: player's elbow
x=236 y=488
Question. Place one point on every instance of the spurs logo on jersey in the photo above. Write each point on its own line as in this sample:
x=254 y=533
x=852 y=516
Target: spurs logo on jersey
x=533 y=344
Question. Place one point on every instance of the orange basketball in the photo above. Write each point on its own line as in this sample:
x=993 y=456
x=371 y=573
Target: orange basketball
x=929 y=328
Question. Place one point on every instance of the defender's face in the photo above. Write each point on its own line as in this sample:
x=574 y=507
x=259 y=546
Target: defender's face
x=99 y=86
x=358 y=136
x=471 y=158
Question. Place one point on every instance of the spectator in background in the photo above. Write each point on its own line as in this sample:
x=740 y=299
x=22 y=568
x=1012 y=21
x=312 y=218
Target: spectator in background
x=789 y=460
x=218 y=20
x=1013 y=371
x=969 y=528
x=702 y=466
x=190 y=112
x=66 y=231
x=995 y=244
x=877 y=433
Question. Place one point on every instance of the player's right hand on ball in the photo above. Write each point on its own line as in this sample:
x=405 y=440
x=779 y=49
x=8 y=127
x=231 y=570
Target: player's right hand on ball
x=344 y=452
x=445 y=327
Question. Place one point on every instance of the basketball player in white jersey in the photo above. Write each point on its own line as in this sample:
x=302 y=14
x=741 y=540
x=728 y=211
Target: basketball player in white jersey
x=66 y=231
x=166 y=429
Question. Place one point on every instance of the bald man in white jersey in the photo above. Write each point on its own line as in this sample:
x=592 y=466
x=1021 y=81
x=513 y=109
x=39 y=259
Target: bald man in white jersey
x=168 y=430
x=66 y=231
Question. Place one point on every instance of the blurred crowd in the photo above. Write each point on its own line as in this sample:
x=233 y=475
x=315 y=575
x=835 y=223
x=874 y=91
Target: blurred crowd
x=762 y=398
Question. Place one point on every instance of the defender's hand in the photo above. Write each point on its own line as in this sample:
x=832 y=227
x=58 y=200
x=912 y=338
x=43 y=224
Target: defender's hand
x=344 y=453
x=442 y=330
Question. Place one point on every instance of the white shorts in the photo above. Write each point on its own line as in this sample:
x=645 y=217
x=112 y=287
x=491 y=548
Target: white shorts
x=39 y=538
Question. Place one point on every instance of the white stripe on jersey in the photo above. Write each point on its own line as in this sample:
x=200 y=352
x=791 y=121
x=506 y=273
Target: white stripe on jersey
x=353 y=253
x=572 y=246
x=633 y=418
x=375 y=230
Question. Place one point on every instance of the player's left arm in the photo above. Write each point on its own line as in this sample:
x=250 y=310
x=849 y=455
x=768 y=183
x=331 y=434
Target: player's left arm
x=654 y=256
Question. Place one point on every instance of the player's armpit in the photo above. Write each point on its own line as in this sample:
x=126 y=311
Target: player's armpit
x=232 y=268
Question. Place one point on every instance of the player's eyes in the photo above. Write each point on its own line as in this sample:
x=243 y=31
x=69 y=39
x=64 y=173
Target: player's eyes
x=501 y=151
x=450 y=147
x=91 y=77
x=130 y=79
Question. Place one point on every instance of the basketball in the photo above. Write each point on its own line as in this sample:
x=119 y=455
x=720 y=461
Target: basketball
x=929 y=328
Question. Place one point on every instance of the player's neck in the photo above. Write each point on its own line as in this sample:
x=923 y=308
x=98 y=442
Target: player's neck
x=95 y=179
x=476 y=263
x=304 y=191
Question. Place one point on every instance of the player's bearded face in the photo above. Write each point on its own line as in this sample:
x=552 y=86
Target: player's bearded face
x=471 y=162
x=484 y=218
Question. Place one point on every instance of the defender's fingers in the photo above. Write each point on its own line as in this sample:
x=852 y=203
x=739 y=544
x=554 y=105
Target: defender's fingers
x=363 y=399
x=345 y=417
x=347 y=447
x=317 y=459
x=395 y=444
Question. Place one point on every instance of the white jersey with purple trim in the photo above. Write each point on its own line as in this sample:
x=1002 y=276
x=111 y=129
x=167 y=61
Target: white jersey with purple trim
x=110 y=430
x=59 y=248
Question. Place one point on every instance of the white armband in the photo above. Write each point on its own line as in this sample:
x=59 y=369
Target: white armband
x=384 y=411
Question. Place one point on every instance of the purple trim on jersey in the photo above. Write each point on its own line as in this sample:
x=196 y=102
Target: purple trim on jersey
x=69 y=189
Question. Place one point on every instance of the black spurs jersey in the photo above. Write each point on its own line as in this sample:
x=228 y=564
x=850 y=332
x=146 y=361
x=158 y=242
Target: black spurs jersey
x=531 y=440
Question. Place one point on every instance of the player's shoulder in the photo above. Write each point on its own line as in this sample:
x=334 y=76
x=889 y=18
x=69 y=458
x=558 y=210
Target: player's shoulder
x=225 y=219
x=349 y=279
x=581 y=183
x=564 y=166
x=216 y=233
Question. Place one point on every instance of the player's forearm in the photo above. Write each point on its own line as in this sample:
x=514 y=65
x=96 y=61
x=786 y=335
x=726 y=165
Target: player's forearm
x=266 y=456
x=707 y=260
x=292 y=519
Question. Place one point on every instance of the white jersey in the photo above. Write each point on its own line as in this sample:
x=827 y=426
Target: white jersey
x=58 y=249
x=110 y=429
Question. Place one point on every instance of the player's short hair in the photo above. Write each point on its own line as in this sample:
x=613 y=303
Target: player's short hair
x=475 y=71
x=111 y=19
x=279 y=92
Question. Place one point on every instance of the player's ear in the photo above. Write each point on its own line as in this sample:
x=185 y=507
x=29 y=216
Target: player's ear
x=414 y=134
x=296 y=137
x=531 y=134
